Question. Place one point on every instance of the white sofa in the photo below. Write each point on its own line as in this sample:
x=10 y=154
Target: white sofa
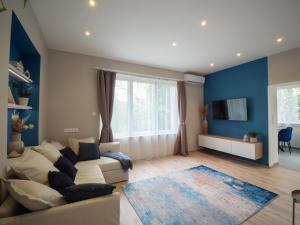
x=103 y=210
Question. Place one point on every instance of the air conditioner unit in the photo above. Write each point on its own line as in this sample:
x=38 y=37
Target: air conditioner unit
x=194 y=79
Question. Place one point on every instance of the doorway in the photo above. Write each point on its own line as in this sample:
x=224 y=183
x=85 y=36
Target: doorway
x=284 y=125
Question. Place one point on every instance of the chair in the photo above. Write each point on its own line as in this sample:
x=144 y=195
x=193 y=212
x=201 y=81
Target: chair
x=284 y=137
x=296 y=199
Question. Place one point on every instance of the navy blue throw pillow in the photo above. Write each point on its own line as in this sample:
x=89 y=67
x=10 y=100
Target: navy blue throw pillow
x=64 y=165
x=88 y=151
x=81 y=192
x=59 y=180
x=69 y=154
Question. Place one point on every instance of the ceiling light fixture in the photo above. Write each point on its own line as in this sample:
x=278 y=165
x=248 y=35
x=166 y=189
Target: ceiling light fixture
x=212 y=65
x=203 y=23
x=238 y=54
x=87 y=33
x=92 y=3
x=174 y=44
x=279 y=40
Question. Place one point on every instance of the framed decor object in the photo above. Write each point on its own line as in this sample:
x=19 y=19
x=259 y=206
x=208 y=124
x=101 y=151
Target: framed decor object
x=10 y=97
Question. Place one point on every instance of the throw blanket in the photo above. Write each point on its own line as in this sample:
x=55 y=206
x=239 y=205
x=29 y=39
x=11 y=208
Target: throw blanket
x=125 y=161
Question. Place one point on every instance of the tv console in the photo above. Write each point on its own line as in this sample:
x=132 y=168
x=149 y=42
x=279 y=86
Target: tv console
x=232 y=146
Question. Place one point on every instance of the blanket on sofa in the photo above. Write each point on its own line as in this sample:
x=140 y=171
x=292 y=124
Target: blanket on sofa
x=125 y=161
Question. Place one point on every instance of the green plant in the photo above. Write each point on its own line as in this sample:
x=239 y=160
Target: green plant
x=24 y=91
x=3 y=8
x=253 y=134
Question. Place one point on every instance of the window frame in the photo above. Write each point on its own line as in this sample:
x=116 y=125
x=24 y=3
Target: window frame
x=154 y=129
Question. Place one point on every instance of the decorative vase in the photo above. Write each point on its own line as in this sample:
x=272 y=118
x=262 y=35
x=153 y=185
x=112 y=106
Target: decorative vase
x=23 y=101
x=16 y=145
x=253 y=139
x=246 y=138
x=205 y=126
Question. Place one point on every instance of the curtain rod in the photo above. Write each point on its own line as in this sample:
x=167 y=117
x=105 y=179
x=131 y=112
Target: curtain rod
x=136 y=74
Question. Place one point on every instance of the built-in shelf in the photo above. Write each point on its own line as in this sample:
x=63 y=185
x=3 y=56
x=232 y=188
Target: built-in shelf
x=14 y=106
x=14 y=72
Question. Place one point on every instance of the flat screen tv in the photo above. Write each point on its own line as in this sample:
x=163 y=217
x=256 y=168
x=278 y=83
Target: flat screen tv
x=230 y=109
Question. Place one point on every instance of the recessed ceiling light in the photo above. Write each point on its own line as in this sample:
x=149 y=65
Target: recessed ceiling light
x=212 y=65
x=87 y=33
x=279 y=40
x=174 y=44
x=238 y=54
x=203 y=23
x=92 y=3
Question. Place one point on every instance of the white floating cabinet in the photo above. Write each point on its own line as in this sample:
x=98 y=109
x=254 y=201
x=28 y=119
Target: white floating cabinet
x=232 y=146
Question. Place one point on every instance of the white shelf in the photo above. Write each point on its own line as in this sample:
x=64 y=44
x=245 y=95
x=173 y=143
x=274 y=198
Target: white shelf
x=14 y=72
x=14 y=106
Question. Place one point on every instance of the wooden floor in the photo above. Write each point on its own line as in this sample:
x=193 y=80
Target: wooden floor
x=276 y=179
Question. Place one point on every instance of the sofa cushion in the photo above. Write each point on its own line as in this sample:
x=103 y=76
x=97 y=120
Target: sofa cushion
x=58 y=180
x=89 y=173
x=10 y=207
x=48 y=150
x=34 y=196
x=58 y=145
x=105 y=163
x=81 y=192
x=69 y=154
x=88 y=151
x=31 y=165
x=74 y=143
x=64 y=165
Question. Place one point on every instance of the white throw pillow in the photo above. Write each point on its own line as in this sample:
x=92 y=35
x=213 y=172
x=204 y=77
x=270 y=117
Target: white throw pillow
x=48 y=150
x=32 y=166
x=74 y=143
x=34 y=196
x=58 y=145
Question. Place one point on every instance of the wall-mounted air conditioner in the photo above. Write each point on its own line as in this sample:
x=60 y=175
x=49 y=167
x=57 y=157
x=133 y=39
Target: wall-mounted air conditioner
x=194 y=79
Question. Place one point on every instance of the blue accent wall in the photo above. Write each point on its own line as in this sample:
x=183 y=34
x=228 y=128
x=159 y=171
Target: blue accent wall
x=249 y=80
x=22 y=49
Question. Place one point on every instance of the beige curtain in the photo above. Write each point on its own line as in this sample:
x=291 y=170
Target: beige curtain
x=106 y=90
x=181 y=146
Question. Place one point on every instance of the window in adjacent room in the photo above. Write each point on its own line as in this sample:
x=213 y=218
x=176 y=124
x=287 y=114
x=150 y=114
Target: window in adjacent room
x=288 y=104
x=144 y=106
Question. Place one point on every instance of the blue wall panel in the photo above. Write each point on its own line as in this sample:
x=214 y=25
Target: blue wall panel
x=22 y=49
x=249 y=80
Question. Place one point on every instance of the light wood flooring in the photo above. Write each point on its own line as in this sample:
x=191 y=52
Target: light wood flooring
x=276 y=179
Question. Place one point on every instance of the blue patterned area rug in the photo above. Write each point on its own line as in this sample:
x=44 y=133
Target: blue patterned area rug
x=196 y=196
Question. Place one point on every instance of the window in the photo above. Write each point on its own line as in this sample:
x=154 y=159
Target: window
x=288 y=104
x=144 y=106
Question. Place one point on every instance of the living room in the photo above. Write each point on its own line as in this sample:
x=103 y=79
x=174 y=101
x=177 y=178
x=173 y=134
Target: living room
x=168 y=112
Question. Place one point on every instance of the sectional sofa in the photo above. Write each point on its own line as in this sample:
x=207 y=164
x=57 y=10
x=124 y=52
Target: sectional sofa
x=103 y=210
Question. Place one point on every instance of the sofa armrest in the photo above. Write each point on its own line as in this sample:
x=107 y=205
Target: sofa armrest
x=112 y=146
x=103 y=210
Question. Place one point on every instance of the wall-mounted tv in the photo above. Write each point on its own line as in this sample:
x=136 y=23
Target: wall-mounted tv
x=230 y=109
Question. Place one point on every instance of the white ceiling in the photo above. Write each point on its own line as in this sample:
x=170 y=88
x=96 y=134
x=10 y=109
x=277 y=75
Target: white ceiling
x=142 y=31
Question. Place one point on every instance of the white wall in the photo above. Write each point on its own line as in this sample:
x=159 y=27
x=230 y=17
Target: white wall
x=31 y=26
x=5 y=20
x=273 y=132
x=72 y=93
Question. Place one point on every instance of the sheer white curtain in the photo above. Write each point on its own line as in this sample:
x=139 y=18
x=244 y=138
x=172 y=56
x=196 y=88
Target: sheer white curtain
x=288 y=105
x=145 y=116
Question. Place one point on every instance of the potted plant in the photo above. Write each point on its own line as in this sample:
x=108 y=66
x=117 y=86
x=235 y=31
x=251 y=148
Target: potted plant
x=24 y=92
x=253 y=137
